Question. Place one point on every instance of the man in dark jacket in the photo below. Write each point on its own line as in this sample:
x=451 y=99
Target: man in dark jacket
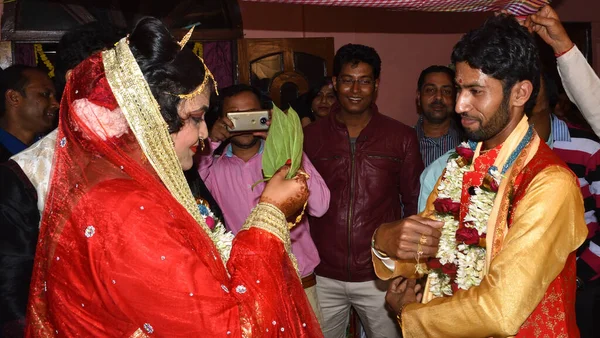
x=371 y=164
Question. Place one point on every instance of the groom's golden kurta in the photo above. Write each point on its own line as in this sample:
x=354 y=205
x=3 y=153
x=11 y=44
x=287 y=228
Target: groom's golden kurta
x=529 y=290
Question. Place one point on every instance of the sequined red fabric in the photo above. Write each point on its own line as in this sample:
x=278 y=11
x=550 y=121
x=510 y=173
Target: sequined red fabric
x=118 y=254
x=556 y=311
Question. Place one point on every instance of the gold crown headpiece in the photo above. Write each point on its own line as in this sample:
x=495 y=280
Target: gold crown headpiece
x=207 y=74
x=186 y=37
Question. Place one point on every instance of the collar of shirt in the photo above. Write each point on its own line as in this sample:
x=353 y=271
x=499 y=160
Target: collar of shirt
x=11 y=143
x=559 y=130
x=452 y=130
x=229 y=149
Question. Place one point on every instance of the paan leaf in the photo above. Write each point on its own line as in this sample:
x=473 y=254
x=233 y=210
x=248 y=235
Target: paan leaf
x=297 y=141
x=284 y=142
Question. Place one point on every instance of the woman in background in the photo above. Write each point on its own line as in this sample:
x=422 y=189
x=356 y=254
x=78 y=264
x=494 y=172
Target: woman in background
x=316 y=103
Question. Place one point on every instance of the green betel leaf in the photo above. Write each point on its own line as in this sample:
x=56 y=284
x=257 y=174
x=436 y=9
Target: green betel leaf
x=297 y=141
x=284 y=142
x=274 y=147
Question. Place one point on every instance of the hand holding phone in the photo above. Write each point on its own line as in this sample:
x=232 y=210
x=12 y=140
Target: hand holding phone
x=219 y=131
x=249 y=121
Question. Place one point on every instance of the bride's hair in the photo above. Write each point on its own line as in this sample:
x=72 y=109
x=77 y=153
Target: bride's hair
x=168 y=69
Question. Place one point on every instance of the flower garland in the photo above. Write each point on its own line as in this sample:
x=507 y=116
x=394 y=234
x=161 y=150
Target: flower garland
x=39 y=51
x=198 y=49
x=460 y=260
x=222 y=238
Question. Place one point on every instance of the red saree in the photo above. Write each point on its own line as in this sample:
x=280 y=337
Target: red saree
x=119 y=256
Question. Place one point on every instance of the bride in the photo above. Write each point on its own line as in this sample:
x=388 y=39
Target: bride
x=124 y=250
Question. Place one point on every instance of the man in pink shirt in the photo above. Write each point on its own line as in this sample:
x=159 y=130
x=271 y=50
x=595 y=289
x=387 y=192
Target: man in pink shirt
x=230 y=177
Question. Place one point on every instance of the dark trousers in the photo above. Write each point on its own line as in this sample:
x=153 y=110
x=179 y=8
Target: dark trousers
x=587 y=308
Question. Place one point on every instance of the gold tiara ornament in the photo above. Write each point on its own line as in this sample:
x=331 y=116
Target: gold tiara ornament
x=207 y=74
x=186 y=37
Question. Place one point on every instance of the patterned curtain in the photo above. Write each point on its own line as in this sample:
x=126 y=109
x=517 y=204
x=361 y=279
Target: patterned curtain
x=25 y=54
x=218 y=56
x=517 y=7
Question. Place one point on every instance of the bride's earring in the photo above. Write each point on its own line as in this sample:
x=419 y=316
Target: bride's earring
x=201 y=140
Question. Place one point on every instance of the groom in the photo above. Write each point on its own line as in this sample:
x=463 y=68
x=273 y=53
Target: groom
x=527 y=243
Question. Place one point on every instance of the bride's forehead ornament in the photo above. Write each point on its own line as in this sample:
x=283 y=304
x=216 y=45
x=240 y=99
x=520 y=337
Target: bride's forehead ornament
x=207 y=74
x=186 y=37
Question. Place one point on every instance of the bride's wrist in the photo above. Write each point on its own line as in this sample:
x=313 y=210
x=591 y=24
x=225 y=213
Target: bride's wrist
x=270 y=218
x=271 y=209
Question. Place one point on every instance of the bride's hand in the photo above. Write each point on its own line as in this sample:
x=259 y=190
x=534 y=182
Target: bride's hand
x=287 y=195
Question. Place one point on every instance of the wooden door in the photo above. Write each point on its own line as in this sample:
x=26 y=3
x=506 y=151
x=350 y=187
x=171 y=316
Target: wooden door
x=284 y=68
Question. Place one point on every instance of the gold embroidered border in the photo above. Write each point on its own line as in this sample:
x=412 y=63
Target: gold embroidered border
x=150 y=129
x=269 y=218
x=502 y=219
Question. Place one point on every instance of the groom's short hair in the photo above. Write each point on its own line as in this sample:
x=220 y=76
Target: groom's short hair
x=504 y=50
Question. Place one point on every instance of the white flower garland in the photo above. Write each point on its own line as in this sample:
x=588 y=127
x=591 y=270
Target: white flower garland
x=447 y=246
x=469 y=259
x=222 y=238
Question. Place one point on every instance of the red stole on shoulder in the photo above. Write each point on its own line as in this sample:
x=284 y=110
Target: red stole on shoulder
x=556 y=310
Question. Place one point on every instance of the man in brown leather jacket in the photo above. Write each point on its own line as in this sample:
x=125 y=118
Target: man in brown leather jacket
x=371 y=164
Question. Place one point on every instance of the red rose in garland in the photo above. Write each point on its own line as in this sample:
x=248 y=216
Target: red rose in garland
x=210 y=222
x=454 y=287
x=450 y=269
x=469 y=236
x=434 y=263
x=465 y=153
x=445 y=205
x=494 y=186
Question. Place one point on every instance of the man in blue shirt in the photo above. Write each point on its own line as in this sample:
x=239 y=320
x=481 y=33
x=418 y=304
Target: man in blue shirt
x=28 y=108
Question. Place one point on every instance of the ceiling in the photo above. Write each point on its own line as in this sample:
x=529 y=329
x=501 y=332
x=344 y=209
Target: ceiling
x=44 y=20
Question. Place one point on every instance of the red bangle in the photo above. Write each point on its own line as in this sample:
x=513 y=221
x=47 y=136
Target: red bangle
x=557 y=55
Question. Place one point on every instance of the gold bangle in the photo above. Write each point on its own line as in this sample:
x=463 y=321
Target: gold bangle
x=399 y=315
x=299 y=218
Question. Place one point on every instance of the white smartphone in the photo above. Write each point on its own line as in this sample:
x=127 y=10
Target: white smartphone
x=249 y=120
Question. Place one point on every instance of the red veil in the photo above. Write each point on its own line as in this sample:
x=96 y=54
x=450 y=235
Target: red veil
x=119 y=256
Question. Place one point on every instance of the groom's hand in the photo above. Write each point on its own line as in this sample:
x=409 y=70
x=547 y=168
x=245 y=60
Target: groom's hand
x=402 y=239
x=401 y=292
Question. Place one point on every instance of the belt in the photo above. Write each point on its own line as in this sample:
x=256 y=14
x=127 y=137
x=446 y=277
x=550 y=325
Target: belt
x=309 y=281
